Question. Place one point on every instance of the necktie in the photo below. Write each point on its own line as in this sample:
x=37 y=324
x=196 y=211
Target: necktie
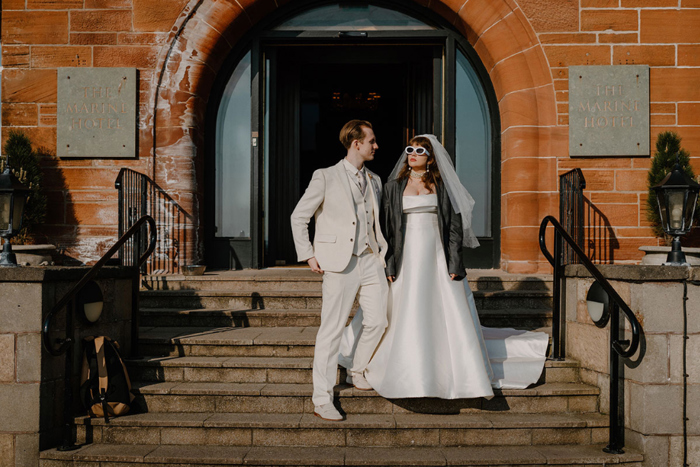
x=363 y=181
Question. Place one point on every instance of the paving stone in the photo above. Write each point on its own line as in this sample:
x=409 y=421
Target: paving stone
x=559 y=436
x=591 y=454
x=279 y=389
x=393 y=438
x=230 y=336
x=295 y=456
x=231 y=375
x=295 y=376
x=511 y=420
x=258 y=404
x=150 y=420
x=184 y=362
x=207 y=436
x=487 y=455
x=129 y=435
x=583 y=404
x=268 y=362
x=432 y=406
x=179 y=403
x=394 y=456
x=493 y=437
x=300 y=437
x=522 y=404
x=442 y=421
x=253 y=420
x=352 y=421
x=226 y=455
x=147 y=387
x=357 y=405
x=114 y=453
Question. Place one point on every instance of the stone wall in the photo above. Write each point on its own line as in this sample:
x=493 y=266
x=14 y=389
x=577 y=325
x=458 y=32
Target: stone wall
x=525 y=45
x=653 y=379
x=31 y=380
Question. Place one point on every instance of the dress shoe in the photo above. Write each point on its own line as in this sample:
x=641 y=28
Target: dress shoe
x=358 y=380
x=328 y=412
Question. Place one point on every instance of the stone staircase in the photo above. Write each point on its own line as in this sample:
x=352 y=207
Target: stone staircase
x=227 y=380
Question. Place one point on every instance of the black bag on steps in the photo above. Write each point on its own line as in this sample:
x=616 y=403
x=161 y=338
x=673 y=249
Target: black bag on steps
x=105 y=389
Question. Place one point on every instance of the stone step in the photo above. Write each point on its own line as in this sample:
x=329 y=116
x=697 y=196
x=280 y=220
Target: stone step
x=303 y=279
x=169 y=317
x=108 y=455
x=252 y=298
x=294 y=341
x=221 y=397
x=283 y=370
x=358 y=430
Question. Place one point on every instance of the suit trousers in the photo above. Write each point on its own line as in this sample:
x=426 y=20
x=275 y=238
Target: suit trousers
x=365 y=274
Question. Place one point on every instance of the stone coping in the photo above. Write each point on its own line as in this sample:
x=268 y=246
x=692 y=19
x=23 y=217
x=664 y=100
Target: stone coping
x=60 y=273
x=637 y=273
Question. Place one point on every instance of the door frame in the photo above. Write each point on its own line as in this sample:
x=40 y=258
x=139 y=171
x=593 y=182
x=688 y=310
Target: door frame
x=249 y=252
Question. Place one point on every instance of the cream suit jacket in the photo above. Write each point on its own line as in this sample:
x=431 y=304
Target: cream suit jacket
x=328 y=198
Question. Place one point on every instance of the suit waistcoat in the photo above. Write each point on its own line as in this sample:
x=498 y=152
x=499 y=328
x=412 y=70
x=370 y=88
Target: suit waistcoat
x=364 y=212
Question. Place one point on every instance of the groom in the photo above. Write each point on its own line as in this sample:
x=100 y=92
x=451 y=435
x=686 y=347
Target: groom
x=349 y=251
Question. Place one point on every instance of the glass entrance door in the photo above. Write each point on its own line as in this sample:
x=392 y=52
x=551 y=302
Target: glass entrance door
x=317 y=89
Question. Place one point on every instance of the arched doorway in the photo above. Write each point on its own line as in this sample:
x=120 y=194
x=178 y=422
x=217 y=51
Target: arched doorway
x=284 y=93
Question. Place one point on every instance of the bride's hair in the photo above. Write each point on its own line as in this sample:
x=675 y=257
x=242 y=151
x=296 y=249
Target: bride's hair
x=432 y=176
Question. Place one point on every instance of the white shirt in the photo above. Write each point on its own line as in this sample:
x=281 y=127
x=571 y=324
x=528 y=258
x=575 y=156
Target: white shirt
x=354 y=173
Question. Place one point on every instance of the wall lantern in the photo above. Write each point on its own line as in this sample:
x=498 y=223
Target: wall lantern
x=677 y=195
x=91 y=301
x=598 y=305
x=13 y=197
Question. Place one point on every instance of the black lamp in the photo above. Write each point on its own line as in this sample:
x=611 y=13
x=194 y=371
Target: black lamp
x=91 y=301
x=13 y=197
x=677 y=195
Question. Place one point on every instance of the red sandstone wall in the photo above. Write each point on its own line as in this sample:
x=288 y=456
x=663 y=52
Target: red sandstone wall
x=664 y=34
x=37 y=37
x=542 y=37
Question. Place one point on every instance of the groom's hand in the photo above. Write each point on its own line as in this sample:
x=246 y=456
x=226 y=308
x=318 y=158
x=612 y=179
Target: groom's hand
x=314 y=265
x=391 y=278
x=453 y=276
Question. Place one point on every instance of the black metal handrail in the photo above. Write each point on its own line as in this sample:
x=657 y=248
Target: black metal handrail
x=66 y=344
x=571 y=200
x=138 y=196
x=618 y=347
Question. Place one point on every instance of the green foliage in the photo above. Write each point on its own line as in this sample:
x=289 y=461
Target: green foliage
x=668 y=144
x=24 y=162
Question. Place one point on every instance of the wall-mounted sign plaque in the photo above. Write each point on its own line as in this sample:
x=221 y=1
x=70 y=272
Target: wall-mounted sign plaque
x=96 y=112
x=609 y=110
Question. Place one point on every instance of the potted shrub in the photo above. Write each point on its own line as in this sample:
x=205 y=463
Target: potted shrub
x=24 y=161
x=668 y=145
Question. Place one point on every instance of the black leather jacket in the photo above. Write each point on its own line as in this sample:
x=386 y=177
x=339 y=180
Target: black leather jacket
x=449 y=222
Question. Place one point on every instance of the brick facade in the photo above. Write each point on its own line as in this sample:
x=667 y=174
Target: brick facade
x=526 y=46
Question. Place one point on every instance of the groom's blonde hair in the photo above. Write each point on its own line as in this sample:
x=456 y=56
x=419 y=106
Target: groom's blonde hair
x=352 y=131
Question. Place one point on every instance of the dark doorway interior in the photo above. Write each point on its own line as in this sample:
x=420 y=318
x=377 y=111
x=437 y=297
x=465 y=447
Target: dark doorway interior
x=314 y=91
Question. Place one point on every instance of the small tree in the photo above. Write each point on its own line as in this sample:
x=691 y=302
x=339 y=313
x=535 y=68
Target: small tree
x=668 y=145
x=24 y=162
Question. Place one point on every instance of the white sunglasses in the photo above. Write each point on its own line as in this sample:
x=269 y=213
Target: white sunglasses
x=420 y=151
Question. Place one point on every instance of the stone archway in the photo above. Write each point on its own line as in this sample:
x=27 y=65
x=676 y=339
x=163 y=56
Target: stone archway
x=498 y=30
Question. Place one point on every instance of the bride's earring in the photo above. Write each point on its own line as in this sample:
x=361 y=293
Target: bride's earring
x=427 y=168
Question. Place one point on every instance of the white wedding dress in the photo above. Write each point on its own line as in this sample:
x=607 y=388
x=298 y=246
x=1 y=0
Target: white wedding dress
x=434 y=345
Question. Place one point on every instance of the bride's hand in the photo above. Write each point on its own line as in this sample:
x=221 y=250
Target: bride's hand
x=391 y=278
x=453 y=276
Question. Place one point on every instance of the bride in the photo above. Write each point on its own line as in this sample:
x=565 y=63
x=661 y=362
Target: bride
x=434 y=345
